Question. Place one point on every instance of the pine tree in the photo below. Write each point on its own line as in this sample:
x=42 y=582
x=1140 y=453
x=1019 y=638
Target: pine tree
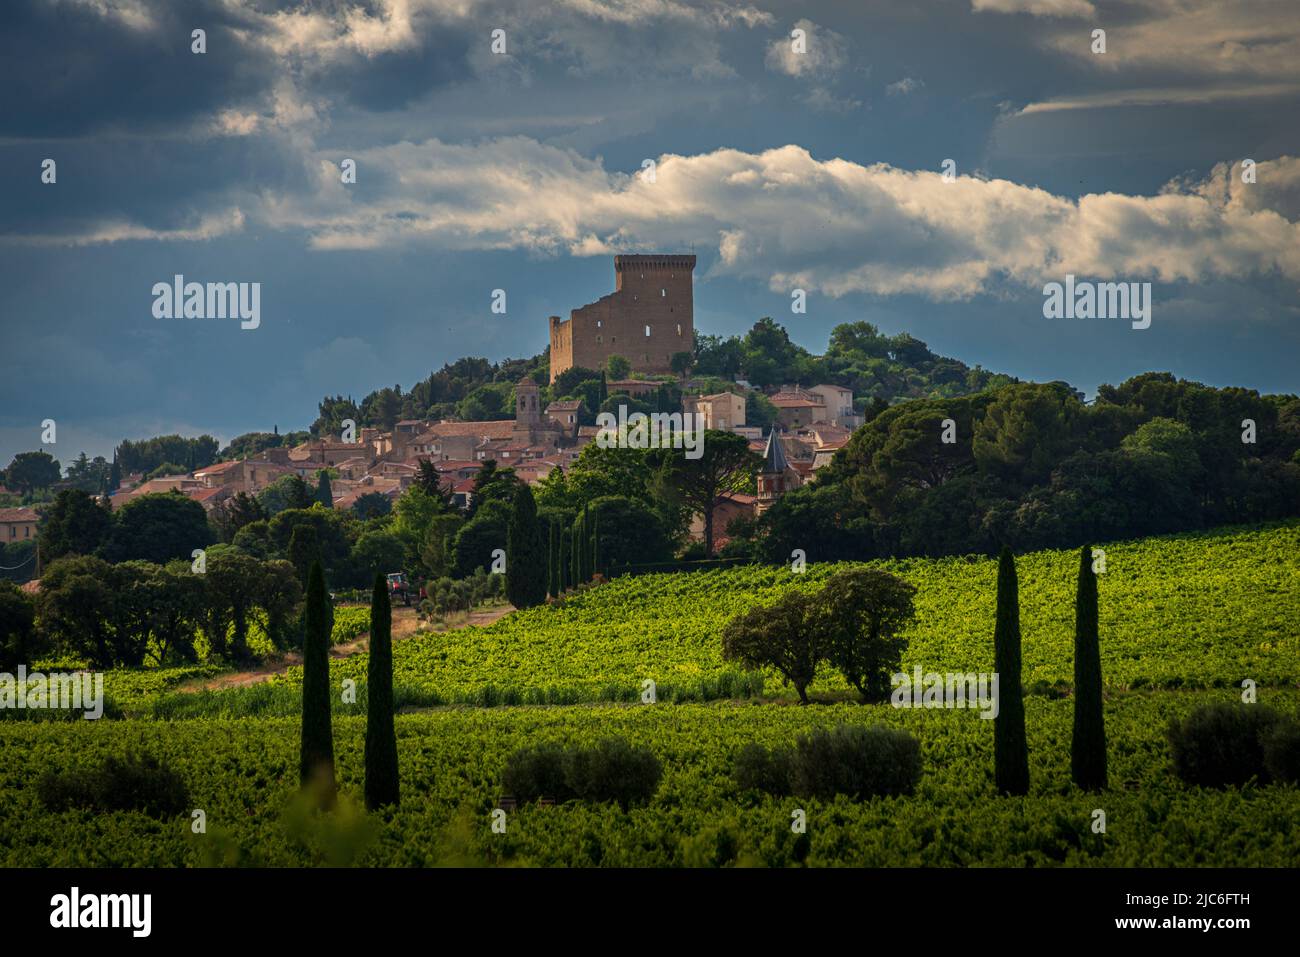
x=324 y=493
x=382 y=785
x=525 y=563
x=1088 y=749
x=1010 y=748
x=316 y=765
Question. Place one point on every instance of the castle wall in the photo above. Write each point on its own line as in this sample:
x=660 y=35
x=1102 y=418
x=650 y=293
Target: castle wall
x=649 y=316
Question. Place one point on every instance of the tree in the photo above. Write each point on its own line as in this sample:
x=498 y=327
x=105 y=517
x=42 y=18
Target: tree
x=626 y=532
x=618 y=367
x=1088 y=747
x=18 y=636
x=76 y=607
x=30 y=471
x=782 y=636
x=430 y=483
x=158 y=527
x=114 y=476
x=324 y=494
x=438 y=555
x=304 y=551
x=860 y=614
x=525 y=562
x=725 y=465
x=234 y=514
x=680 y=363
x=479 y=537
x=75 y=524
x=335 y=531
x=377 y=552
x=552 y=560
x=232 y=579
x=316 y=759
x=285 y=493
x=1010 y=747
x=372 y=505
x=382 y=786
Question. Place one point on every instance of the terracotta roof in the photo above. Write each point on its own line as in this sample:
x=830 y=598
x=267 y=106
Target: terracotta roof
x=23 y=514
x=218 y=468
x=496 y=429
x=793 y=402
x=567 y=405
x=32 y=587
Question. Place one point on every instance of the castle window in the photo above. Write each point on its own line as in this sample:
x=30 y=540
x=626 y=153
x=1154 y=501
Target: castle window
x=600 y=339
x=647 y=331
x=663 y=292
x=597 y=323
x=679 y=328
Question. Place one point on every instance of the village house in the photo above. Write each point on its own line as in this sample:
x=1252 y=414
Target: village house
x=17 y=524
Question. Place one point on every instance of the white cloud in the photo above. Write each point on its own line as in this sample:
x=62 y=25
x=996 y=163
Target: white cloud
x=787 y=219
x=904 y=86
x=1037 y=8
x=824 y=52
x=210 y=226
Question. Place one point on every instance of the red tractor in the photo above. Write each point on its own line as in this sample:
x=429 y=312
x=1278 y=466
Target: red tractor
x=398 y=587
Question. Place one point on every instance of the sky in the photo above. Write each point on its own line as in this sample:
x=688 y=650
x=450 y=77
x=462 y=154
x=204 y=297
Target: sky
x=794 y=146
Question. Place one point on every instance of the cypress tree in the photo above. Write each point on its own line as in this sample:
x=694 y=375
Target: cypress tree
x=584 y=548
x=552 y=561
x=566 y=559
x=595 y=545
x=114 y=475
x=604 y=390
x=381 y=737
x=1010 y=749
x=324 y=492
x=1088 y=748
x=525 y=564
x=316 y=765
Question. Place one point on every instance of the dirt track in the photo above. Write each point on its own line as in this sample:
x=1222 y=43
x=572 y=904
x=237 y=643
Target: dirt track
x=405 y=625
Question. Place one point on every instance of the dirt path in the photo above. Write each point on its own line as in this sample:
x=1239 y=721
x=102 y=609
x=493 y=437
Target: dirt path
x=405 y=625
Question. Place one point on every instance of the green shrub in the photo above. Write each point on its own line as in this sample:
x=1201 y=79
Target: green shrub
x=855 y=760
x=1282 y=752
x=613 y=770
x=536 y=772
x=1221 y=744
x=757 y=768
x=131 y=784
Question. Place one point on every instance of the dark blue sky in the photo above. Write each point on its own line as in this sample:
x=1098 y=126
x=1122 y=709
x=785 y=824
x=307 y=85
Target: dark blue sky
x=780 y=169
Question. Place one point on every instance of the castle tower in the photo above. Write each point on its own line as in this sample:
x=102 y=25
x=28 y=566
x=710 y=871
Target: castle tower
x=647 y=319
x=776 y=477
x=528 y=412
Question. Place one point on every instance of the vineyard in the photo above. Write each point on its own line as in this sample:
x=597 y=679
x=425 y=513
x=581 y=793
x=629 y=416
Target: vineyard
x=1183 y=621
x=1192 y=611
x=243 y=775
